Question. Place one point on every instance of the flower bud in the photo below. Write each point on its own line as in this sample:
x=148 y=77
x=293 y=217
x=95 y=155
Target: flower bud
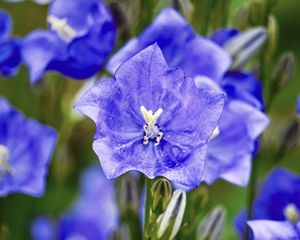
x=284 y=69
x=272 y=36
x=170 y=221
x=121 y=233
x=245 y=45
x=129 y=194
x=256 y=12
x=185 y=7
x=242 y=18
x=161 y=194
x=289 y=138
x=212 y=225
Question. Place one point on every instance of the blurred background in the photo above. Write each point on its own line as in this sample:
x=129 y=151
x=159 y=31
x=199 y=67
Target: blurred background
x=51 y=100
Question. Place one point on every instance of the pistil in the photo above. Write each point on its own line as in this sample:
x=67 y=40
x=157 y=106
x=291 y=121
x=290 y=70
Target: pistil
x=150 y=129
x=4 y=157
x=63 y=29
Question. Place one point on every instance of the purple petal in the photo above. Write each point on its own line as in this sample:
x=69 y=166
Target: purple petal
x=39 y=49
x=270 y=230
x=221 y=36
x=31 y=145
x=204 y=57
x=43 y=228
x=5 y=25
x=146 y=80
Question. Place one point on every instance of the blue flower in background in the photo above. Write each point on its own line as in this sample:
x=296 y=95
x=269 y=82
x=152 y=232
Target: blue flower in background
x=10 y=48
x=270 y=230
x=194 y=54
x=93 y=216
x=230 y=152
x=26 y=147
x=80 y=38
x=278 y=200
x=152 y=119
x=43 y=228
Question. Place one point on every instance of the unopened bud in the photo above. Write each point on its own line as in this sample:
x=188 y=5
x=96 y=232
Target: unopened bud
x=212 y=225
x=284 y=69
x=119 y=13
x=185 y=7
x=245 y=45
x=290 y=135
x=272 y=35
x=161 y=193
x=121 y=233
x=291 y=213
x=170 y=221
x=256 y=12
x=129 y=194
x=242 y=18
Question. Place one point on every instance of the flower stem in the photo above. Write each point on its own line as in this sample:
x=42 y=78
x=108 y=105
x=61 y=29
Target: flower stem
x=149 y=184
x=256 y=161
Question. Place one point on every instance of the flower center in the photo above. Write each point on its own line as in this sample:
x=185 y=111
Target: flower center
x=4 y=157
x=62 y=28
x=291 y=213
x=150 y=129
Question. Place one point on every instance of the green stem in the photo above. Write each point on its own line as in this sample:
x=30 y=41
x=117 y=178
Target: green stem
x=149 y=184
x=207 y=15
x=251 y=191
x=255 y=163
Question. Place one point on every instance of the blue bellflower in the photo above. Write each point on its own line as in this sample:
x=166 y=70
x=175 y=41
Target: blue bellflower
x=152 y=119
x=81 y=36
x=26 y=147
x=242 y=120
x=10 y=48
x=279 y=201
x=94 y=215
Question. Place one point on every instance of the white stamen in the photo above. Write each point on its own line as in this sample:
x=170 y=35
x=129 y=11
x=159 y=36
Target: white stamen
x=291 y=213
x=4 y=157
x=150 y=129
x=215 y=133
x=63 y=29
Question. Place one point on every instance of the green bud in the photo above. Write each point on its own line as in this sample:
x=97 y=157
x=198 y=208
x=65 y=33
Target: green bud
x=121 y=233
x=290 y=136
x=185 y=7
x=256 y=12
x=284 y=69
x=129 y=194
x=212 y=225
x=242 y=18
x=170 y=221
x=161 y=194
x=4 y=232
x=272 y=35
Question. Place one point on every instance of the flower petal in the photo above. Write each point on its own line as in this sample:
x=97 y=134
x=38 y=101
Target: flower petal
x=146 y=80
x=204 y=57
x=269 y=230
x=39 y=49
x=5 y=25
